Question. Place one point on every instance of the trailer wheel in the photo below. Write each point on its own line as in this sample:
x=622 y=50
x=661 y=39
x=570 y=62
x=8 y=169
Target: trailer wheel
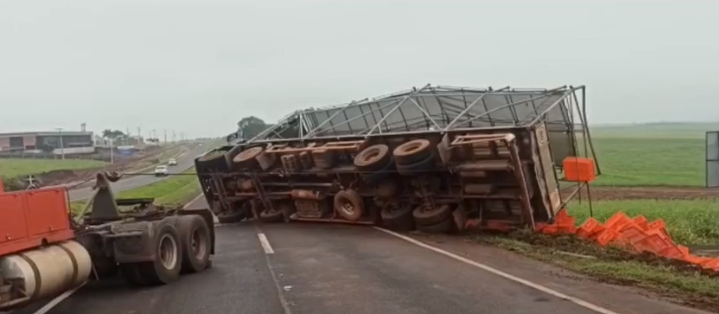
x=372 y=158
x=419 y=166
x=398 y=218
x=132 y=273
x=412 y=151
x=195 y=240
x=168 y=251
x=424 y=215
x=237 y=212
x=349 y=205
x=247 y=158
x=444 y=226
x=272 y=215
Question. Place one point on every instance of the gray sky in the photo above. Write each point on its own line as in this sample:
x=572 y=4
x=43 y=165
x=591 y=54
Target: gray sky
x=200 y=66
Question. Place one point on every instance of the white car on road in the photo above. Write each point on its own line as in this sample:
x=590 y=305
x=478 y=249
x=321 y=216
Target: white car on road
x=161 y=171
x=172 y=162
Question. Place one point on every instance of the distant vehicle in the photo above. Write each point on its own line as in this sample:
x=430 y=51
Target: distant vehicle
x=160 y=171
x=172 y=162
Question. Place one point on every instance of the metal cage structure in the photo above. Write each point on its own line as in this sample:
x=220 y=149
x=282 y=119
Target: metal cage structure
x=446 y=109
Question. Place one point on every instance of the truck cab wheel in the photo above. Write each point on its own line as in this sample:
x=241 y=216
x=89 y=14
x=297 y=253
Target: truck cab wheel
x=168 y=256
x=195 y=241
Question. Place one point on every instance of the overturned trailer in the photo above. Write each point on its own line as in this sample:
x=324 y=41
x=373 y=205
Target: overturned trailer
x=434 y=158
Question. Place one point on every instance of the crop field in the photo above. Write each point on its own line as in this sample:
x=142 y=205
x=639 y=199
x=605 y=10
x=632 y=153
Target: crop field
x=655 y=170
x=11 y=168
x=650 y=161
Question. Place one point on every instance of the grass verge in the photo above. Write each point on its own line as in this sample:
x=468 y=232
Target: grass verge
x=12 y=167
x=689 y=222
x=673 y=279
x=176 y=190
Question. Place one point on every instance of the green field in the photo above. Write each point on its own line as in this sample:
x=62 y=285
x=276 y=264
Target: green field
x=656 y=155
x=650 y=161
x=652 y=154
x=11 y=168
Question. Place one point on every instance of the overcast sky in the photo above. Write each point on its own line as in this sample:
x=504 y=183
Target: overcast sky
x=200 y=66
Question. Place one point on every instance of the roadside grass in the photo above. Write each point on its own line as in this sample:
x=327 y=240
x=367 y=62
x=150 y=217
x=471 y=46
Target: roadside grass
x=16 y=167
x=689 y=222
x=174 y=191
x=612 y=265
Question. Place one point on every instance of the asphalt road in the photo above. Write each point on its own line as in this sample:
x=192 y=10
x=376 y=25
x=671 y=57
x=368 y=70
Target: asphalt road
x=185 y=162
x=329 y=269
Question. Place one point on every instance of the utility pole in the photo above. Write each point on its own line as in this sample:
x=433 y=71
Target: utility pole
x=62 y=146
x=165 y=137
x=139 y=136
x=174 y=137
x=112 y=152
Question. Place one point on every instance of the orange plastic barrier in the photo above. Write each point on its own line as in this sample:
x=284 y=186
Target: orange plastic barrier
x=636 y=234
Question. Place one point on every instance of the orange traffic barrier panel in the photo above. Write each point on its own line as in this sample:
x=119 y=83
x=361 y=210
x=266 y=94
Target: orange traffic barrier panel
x=712 y=264
x=579 y=169
x=636 y=235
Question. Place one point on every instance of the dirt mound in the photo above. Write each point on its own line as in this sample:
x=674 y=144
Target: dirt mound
x=664 y=193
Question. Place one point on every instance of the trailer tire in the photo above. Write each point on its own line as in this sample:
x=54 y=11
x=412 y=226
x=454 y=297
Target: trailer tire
x=444 y=226
x=349 y=205
x=168 y=251
x=195 y=241
x=374 y=178
x=412 y=152
x=393 y=215
x=272 y=215
x=248 y=158
x=373 y=158
x=398 y=219
x=212 y=160
x=238 y=212
x=419 y=166
x=424 y=217
x=132 y=273
x=230 y=217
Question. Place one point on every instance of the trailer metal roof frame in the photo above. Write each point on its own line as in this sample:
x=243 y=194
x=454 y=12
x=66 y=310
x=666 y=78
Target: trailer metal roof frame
x=434 y=108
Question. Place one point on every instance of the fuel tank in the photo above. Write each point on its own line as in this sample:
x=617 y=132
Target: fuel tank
x=43 y=272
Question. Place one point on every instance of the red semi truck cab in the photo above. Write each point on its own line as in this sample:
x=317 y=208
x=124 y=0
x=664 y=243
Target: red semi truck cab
x=33 y=218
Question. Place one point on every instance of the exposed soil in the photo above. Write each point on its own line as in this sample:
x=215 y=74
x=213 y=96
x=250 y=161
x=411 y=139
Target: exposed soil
x=663 y=192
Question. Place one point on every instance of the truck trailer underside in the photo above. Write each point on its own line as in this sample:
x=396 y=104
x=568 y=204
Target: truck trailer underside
x=436 y=159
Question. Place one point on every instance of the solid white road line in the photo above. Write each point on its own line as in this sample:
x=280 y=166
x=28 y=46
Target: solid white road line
x=500 y=273
x=192 y=201
x=54 y=302
x=265 y=243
